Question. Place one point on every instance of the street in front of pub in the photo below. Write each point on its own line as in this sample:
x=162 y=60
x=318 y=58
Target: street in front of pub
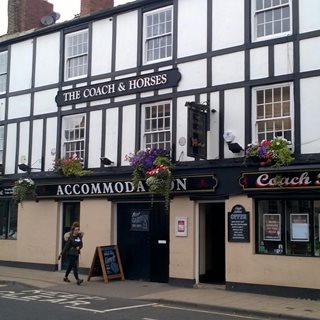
x=28 y=294
x=18 y=301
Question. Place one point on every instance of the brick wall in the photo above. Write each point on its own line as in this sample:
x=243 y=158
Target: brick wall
x=89 y=6
x=24 y=15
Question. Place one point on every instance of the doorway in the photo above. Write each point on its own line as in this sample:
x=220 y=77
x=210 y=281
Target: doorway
x=212 y=243
x=143 y=240
x=70 y=214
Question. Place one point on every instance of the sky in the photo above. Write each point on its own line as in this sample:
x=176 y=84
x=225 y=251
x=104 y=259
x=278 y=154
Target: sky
x=66 y=8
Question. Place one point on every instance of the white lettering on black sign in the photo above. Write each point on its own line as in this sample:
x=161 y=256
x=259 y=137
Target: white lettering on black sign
x=238 y=225
x=125 y=86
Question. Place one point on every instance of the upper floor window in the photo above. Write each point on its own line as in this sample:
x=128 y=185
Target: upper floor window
x=73 y=136
x=76 y=55
x=158 y=35
x=273 y=116
x=156 y=122
x=3 y=71
x=271 y=18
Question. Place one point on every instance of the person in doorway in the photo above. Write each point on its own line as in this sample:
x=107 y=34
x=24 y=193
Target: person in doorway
x=72 y=250
x=67 y=234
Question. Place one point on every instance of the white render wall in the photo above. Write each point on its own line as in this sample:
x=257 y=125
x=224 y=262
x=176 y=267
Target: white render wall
x=227 y=23
x=101 y=46
x=48 y=50
x=234 y=118
x=192 y=21
x=21 y=65
x=309 y=15
x=227 y=32
x=228 y=68
x=310 y=97
x=309 y=59
x=95 y=139
x=111 y=142
x=129 y=131
x=126 y=47
x=259 y=63
x=37 y=141
x=19 y=106
x=24 y=142
x=51 y=135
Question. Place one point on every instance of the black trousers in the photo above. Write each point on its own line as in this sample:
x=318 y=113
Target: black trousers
x=73 y=265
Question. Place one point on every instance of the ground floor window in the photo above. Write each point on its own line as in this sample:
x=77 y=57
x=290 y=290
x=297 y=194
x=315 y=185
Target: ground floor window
x=288 y=227
x=8 y=220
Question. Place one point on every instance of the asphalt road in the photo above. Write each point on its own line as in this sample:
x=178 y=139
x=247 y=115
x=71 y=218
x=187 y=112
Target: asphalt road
x=24 y=303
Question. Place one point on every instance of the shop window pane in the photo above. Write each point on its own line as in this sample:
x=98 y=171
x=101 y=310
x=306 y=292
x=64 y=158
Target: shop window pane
x=298 y=218
x=270 y=238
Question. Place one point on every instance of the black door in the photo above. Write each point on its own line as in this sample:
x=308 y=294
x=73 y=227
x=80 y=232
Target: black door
x=143 y=240
x=71 y=213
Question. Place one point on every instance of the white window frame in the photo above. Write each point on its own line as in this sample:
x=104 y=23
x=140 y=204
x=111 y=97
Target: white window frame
x=271 y=36
x=67 y=58
x=254 y=109
x=143 y=116
x=65 y=124
x=146 y=14
x=5 y=73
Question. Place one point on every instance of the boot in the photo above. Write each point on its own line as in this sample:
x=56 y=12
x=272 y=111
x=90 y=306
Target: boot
x=79 y=281
x=65 y=279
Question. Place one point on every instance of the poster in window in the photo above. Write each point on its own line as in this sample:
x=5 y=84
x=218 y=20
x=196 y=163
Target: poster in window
x=271 y=227
x=140 y=220
x=299 y=223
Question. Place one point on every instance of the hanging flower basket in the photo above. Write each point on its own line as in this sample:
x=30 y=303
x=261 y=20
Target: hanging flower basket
x=70 y=167
x=24 y=189
x=154 y=166
x=274 y=152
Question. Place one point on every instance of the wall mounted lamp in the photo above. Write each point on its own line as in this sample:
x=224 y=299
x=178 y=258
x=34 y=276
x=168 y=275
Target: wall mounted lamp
x=234 y=147
x=24 y=167
x=106 y=162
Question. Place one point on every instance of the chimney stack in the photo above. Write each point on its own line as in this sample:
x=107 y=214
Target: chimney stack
x=90 y=6
x=24 y=15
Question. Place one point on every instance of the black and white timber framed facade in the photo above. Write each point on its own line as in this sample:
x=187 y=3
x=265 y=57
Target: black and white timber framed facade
x=88 y=86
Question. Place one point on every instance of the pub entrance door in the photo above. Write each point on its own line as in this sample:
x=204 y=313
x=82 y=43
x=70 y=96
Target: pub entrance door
x=212 y=243
x=143 y=241
x=70 y=214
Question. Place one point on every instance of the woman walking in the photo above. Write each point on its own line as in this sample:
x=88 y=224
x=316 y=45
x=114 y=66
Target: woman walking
x=72 y=249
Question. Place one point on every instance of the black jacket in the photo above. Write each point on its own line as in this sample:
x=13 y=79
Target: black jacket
x=71 y=245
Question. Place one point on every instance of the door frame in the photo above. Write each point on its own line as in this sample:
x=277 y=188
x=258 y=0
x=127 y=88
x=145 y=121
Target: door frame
x=60 y=232
x=197 y=235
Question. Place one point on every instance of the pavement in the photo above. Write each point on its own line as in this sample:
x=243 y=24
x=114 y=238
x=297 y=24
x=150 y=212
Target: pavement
x=203 y=296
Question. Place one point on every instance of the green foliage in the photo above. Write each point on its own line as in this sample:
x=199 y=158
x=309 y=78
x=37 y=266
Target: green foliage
x=24 y=189
x=70 y=167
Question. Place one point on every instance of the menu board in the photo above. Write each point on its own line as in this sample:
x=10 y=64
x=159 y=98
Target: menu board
x=106 y=263
x=238 y=225
x=197 y=134
x=139 y=219
x=272 y=227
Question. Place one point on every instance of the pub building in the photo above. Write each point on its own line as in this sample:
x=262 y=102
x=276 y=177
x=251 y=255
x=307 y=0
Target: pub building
x=201 y=79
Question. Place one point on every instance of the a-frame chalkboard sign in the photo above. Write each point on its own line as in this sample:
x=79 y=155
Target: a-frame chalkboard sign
x=106 y=263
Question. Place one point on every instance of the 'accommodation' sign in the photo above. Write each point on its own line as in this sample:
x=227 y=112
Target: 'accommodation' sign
x=125 y=86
